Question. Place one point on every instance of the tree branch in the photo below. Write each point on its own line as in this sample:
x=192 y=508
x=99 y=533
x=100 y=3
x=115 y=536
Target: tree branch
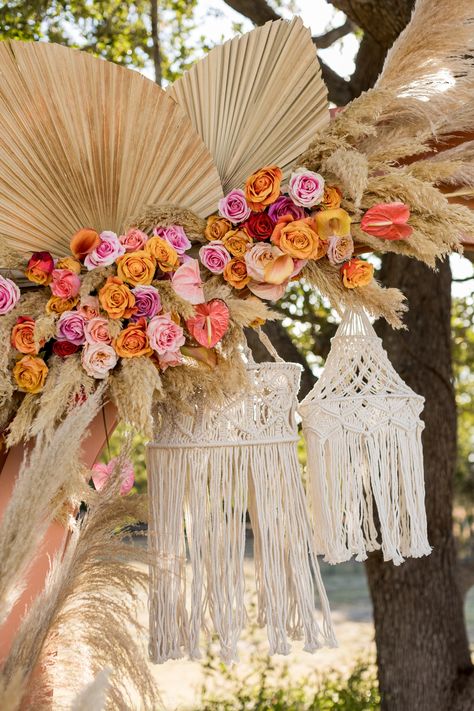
x=328 y=38
x=258 y=11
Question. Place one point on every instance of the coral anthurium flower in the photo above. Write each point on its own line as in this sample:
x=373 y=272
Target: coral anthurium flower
x=387 y=221
x=334 y=222
x=210 y=322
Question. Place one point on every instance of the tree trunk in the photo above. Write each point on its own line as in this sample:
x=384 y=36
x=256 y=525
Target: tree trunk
x=422 y=648
x=155 y=38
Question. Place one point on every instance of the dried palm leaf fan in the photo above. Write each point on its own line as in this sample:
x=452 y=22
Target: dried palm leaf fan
x=207 y=467
x=88 y=143
x=257 y=99
x=362 y=428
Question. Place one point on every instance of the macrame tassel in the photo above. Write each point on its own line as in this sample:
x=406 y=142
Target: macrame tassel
x=206 y=470
x=363 y=431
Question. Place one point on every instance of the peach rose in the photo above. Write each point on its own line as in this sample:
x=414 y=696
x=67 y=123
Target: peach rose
x=297 y=238
x=133 y=341
x=216 y=228
x=236 y=242
x=116 y=299
x=84 y=242
x=23 y=335
x=340 y=249
x=235 y=273
x=89 y=307
x=331 y=223
x=69 y=263
x=56 y=305
x=356 y=272
x=30 y=374
x=164 y=253
x=263 y=187
x=96 y=330
x=332 y=197
x=136 y=268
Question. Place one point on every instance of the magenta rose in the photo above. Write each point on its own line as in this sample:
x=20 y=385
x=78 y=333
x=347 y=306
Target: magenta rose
x=284 y=206
x=65 y=283
x=147 y=302
x=306 y=188
x=164 y=334
x=134 y=240
x=175 y=236
x=70 y=327
x=259 y=226
x=9 y=295
x=214 y=256
x=106 y=253
x=234 y=207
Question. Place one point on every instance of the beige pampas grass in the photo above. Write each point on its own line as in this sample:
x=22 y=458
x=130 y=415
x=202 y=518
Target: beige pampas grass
x=165 y=215
x=90 y=598
x=134 y=388
x=86 y=143
x=256 y=100
x=51 y=464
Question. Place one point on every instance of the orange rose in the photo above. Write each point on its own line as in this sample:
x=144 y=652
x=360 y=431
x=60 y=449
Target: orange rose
x=216 y=228
x=298 y=239
x=56 y=305
x=356 y=273
x=69 y=263
x=164 y=253
x=236 y=242
x=263 y=187
x=332 y=197
x=23 y=336
x=84 y=242
x=136 y=268
x=116 y=299
x=133 y=341
x=331 y=223
x=40 y=268
x=235 y=273
x=30 y=373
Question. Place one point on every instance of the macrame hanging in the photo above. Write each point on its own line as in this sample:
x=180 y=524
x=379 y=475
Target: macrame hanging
x=363 y=431
x=207 y=468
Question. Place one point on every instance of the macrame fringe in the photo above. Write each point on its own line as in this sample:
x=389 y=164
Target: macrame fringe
x=215 y=486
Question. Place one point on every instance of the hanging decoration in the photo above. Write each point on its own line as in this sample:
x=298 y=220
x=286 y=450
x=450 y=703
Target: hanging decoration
x=362 y=429
x=207 y=468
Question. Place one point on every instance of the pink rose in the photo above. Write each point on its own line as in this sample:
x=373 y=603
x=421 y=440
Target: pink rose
x=187 y=282
x=101 y=472
x=70 y=327
x=9 y=295
x=340 y=249
x=89 y=307
x=134 y=240
x=306 y=188
x=164 y=334
x=65 y=283
x=96 y=330
x=147 y=302
x=106 y=253
x=170 y=359
x=214 y=256
x=175 y=236
x=234 y=207
x=98 y=359
x=257 y=258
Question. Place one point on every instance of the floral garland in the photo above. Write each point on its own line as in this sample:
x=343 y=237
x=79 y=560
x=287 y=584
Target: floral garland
x=259 y=241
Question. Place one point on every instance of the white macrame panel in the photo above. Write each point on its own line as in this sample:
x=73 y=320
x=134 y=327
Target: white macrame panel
x=362 y=428
x=207 y=469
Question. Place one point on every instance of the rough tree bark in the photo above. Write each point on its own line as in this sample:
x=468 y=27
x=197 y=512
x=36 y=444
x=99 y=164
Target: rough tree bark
x=422 y=647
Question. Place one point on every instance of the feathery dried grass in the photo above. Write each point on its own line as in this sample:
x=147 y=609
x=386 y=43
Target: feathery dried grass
x=93 y=697
x=49 y=465
x=171 y=302
x=94 y=279
x=134 y=388
x=19 y=429
x=166 y=215
x=90 y=597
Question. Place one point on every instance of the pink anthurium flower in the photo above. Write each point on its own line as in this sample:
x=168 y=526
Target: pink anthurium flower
x=210 y=323
x=387 y=221
x=187 y=282
x=101 y=473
